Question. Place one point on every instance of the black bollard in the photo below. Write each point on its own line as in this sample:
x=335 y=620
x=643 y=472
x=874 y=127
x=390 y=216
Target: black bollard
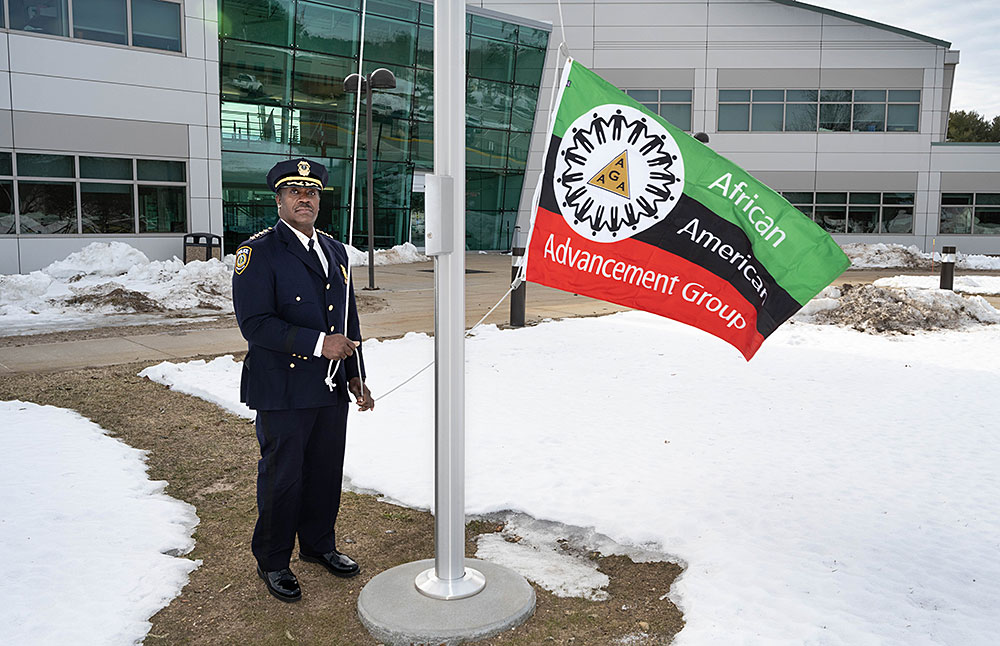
x=948 y=268
x=517 y=297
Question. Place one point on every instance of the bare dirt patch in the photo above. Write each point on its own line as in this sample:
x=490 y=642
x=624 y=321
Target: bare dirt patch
x=208 y=457
x=119 y=299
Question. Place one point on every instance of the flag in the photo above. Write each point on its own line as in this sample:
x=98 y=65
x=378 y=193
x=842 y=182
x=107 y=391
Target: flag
x=634 y=211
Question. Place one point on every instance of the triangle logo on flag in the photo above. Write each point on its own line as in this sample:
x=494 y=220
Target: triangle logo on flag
x=614 y=176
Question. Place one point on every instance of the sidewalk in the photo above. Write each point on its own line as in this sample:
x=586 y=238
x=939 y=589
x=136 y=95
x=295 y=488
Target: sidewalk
x=408 y=292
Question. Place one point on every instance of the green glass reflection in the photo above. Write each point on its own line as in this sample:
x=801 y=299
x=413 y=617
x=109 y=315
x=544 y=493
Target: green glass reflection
x=47 y=207
x=533 y=37
x=493 y=28
x=517 y=152
x=102 y=20
x=156 y=24
x=802 y=95
x=105 y=168
x=487 y=103
x=45 y=17
x=904 y=96
x=160 y=171
x=797 y=197
x=869 y=95
x=6 y=166
x=831 y=198
x=529 y=65
x=319 y=82
x=32 y=165
x=423 y=95
x=402 y=9
x=987 y=221
x=390 y=41
x=523 y=113
x=258 y=21
x=490 y=59
x=422 y=144
x=834 y=96
x=395 y=102
x=318 y=133
x=7 y=220
x=425 y=47
x=485 y=148
x=865 y=198
x=770 y=96
x=106 y=208
x=390 y=139
x=484 y=190
x=325 y=29
x=734 y=95
x=162 y=209
x=255 y=73
x=259 y=128
x=512 y=191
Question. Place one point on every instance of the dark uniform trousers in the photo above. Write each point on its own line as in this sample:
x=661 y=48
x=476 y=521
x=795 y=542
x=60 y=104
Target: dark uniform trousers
x=298 y=481
x=283 y=300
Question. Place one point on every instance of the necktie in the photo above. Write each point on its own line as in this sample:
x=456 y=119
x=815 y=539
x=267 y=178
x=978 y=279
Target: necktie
x=316 y=252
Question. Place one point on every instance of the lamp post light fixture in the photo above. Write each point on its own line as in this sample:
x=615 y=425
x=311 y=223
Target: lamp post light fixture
x=380 y=79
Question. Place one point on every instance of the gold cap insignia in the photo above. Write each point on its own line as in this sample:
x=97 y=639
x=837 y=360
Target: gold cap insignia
x=303 y=168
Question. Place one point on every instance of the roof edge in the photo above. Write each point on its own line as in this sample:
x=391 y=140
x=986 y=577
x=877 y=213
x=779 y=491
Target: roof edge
x=865 y=21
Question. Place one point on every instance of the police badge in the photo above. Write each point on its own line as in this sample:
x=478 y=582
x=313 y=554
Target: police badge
x=242 y=259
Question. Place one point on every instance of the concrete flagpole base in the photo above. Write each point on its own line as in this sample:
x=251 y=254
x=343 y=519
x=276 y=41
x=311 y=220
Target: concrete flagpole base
x=397 y=614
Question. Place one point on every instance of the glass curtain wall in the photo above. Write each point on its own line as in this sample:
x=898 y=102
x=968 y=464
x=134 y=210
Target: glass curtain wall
x=282 y=67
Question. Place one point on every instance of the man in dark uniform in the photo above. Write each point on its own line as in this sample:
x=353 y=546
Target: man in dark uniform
x=295 y=307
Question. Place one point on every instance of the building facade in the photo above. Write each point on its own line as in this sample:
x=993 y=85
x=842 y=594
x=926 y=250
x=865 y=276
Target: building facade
x=144 y=120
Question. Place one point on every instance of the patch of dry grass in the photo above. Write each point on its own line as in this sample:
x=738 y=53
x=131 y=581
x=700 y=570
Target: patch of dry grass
x=209 y=458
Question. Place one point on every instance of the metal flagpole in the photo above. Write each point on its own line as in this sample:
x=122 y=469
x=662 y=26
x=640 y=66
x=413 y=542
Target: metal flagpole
x=449 y=578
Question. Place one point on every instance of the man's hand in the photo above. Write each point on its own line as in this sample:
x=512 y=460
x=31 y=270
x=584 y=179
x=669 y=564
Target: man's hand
x=361 y=394
x=338 y=346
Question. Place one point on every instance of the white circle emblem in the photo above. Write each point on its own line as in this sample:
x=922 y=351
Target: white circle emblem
x=619 y=172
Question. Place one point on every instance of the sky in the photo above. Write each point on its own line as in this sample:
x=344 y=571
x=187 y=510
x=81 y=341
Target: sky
x=971 y=26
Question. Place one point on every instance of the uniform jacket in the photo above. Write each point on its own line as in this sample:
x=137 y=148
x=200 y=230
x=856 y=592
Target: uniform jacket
x=282 y=302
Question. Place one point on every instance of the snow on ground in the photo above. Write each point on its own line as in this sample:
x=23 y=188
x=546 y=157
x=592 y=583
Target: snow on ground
x=111 y=283
x=90 y=545
x=839 y=489
x=879 y=255
x=982 y=285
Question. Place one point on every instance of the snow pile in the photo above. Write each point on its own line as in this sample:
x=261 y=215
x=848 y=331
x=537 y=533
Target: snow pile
x=884 y=310
x=108 y=283
x=823 y=493
x=398 y=255
x=111 y=283
x=97 y=259
x=982 y=285
x=881 y=256
x=90 y=544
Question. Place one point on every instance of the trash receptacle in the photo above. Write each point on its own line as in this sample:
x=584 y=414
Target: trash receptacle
x=202 y=246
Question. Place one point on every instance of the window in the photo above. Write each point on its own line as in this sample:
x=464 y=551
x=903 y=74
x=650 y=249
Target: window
x=970 y=213
x=856 y=212
x=155 y=23
x=68 y=194
x=672 y=105
x=823 y=110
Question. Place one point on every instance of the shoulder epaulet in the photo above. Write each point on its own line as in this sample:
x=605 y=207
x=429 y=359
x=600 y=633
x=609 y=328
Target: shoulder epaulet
x=327 y=234
x=260 y=233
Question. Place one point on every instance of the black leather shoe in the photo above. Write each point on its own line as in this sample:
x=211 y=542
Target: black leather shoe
x=339 y=564
x=282 y=584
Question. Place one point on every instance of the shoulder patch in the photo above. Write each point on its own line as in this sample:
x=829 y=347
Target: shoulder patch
x=242 y=258
x=260 y=233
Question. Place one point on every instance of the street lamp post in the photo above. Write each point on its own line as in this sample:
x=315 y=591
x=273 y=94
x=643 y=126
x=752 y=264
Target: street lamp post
x=380 y=79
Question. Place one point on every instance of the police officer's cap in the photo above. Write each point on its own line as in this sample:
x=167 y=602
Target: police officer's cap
x=297 y=172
